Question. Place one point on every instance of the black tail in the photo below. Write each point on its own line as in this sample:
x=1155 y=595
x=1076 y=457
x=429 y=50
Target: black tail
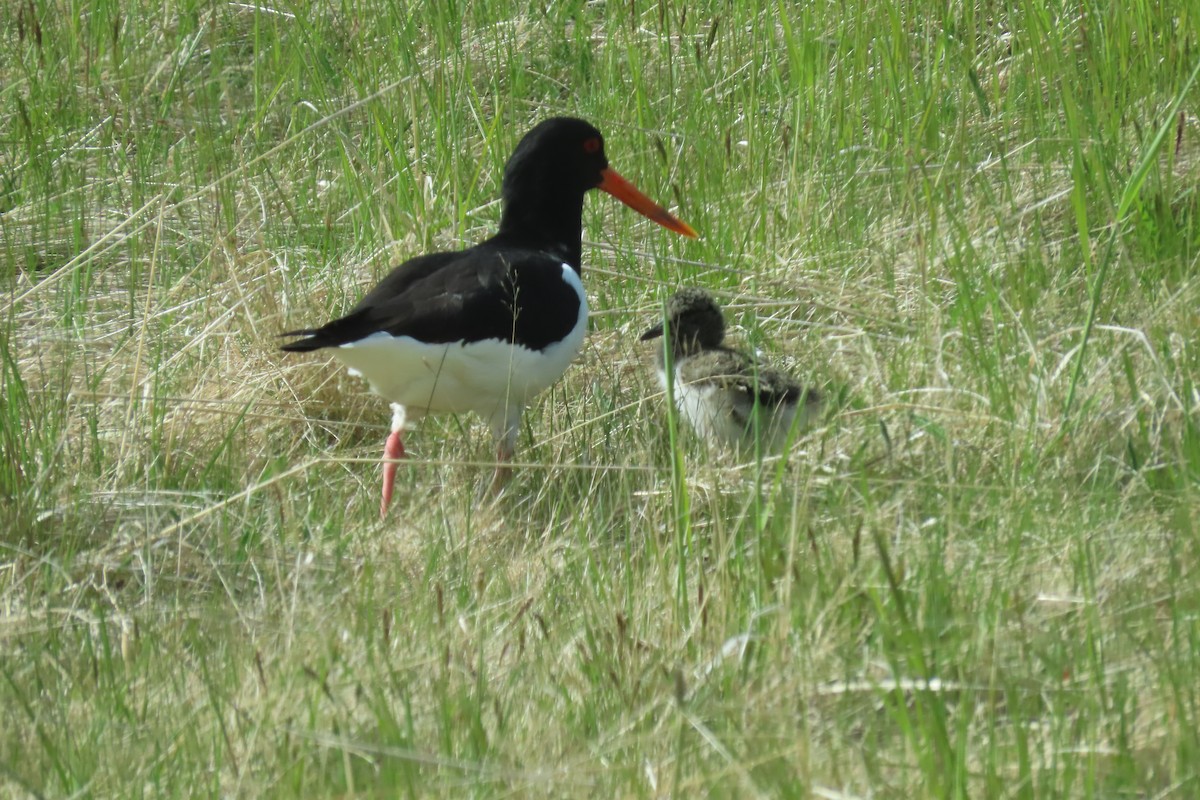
x=341 y=331
x=313 y=342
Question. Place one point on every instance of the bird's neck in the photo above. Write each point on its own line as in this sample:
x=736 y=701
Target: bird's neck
x=552 y=225
x=684 y=345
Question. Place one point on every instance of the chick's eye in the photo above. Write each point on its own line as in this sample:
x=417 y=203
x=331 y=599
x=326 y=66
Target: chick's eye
x=591 y=145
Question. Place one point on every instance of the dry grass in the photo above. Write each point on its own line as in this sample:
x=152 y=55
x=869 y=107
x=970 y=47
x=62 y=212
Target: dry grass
x=971 y=580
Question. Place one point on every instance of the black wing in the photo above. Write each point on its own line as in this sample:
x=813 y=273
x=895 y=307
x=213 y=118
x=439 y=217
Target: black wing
x=482 y=293
x=733 y=370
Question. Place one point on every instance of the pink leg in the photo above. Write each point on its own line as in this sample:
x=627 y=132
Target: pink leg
x=392 y=450
x=504 y=454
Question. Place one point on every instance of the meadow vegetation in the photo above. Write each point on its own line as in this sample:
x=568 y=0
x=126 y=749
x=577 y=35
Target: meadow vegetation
x=975 y=224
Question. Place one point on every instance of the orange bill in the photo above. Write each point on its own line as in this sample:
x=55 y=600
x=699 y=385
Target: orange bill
x=628 y=194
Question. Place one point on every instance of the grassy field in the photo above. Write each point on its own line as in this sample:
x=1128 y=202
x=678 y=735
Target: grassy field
x=976 y=224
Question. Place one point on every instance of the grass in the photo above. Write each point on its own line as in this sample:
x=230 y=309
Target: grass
x=976 y=223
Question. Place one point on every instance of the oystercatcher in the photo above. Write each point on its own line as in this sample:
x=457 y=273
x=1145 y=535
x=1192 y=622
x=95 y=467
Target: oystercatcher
x=487 y=328
x=725 y=395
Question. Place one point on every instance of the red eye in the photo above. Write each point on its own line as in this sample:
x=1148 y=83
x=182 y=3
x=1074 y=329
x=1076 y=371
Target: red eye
x=591 y=145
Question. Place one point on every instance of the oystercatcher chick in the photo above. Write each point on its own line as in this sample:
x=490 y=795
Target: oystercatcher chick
x=725 y=395
x=487 y=328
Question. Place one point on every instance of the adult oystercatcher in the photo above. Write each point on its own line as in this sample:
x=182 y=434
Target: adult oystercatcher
x=487 y=328
x=725 y=395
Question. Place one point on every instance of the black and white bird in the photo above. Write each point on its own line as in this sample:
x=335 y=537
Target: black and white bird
x=725 y=395
x=487 y=328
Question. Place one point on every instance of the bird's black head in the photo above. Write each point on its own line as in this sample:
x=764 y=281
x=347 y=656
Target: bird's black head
x=694 y=322
x=561 y=155
x=546 y=177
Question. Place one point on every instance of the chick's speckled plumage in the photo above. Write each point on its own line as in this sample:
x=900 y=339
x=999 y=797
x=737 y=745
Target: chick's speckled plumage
x=725 y=395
